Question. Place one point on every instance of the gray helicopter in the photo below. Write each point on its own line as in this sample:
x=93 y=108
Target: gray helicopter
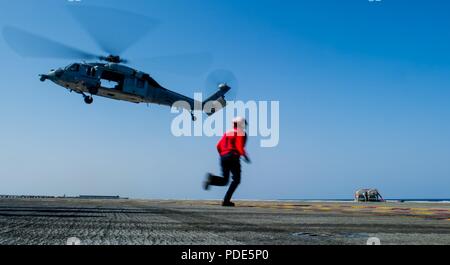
x=109 y=76
x=117 y=81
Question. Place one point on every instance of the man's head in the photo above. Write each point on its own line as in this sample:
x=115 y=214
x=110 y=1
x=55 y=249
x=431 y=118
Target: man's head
x=240 y=123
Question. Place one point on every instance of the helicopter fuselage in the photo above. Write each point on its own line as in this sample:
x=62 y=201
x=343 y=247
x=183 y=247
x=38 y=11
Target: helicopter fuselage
x=114 y=81
x=110 y=77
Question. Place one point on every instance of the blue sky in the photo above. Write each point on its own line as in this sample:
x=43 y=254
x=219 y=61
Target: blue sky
x=363 y=90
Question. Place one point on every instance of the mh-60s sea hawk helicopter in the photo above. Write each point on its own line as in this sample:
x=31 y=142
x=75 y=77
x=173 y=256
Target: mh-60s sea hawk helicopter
x=109 y=77
x=128 y=84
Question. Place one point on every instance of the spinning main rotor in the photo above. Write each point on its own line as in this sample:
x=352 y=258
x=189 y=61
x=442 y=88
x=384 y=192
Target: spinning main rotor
x=115 y=31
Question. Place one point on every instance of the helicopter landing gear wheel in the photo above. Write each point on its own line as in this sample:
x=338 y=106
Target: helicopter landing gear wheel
x=193 y=117
x=88 y=100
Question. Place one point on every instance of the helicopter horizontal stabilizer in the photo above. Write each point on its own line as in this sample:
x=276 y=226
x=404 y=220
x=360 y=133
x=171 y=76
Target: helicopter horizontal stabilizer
x=217 y=101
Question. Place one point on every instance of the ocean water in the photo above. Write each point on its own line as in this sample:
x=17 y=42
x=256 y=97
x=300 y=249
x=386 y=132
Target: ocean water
x=422 y=200
x=387 y=200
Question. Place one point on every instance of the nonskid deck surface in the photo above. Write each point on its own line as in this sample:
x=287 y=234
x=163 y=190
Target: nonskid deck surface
x=150 y=222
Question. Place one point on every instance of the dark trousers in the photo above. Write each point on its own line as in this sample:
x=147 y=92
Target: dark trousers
x=230 y=164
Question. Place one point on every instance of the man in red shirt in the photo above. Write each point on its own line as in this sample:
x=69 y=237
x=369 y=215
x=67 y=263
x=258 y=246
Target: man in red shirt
x=231 y=147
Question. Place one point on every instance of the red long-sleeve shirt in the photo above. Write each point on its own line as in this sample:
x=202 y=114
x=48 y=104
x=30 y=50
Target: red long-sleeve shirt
x=233 y=142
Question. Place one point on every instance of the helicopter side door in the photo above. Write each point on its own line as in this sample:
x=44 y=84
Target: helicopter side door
x=136 y=86
x=112 y=80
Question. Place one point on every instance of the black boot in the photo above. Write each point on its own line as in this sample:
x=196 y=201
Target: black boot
x=207 y=181
x=227 y=204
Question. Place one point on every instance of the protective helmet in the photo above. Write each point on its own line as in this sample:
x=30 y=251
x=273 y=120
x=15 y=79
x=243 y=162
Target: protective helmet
x=240 y=122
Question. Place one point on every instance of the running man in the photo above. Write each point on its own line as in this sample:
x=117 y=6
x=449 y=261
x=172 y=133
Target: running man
x=231 y=147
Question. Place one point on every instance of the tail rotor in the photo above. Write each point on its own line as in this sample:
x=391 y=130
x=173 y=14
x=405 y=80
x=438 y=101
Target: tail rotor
x=221 y=85
x=222 y=80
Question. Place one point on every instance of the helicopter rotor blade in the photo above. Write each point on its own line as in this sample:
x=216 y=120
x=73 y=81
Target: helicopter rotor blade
x=180 y=64
x=222 y=77
x=113 y=30
x=31 y=45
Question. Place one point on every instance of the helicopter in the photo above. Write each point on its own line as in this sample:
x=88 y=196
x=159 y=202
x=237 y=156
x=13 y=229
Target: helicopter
x=109 y=76
x=128 y=84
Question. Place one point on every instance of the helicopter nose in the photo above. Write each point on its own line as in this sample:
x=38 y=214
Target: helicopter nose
x=59 y=73
x=52 y=75
x=56 y=73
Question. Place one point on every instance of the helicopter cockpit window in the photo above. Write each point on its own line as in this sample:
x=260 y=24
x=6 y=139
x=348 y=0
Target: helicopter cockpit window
x=74 y=68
